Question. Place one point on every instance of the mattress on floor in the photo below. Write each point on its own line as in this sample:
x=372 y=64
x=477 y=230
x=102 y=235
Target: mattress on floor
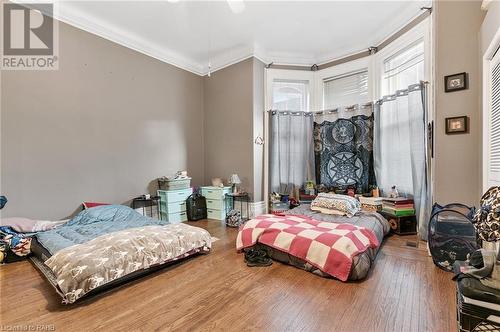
x=52 y=279
x=110 y=259
x=105 y=245
x=38 y=250
x=361 y=263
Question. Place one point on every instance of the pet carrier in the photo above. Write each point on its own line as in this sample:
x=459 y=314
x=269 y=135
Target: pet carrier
x=452 y=235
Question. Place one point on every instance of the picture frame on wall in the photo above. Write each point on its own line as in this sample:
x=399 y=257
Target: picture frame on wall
x=456 y=125
x=456 y=82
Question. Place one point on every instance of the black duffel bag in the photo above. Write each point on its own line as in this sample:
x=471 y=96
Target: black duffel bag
x=196 y=206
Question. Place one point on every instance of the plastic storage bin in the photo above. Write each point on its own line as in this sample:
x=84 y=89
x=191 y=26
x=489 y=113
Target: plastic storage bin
x=175 y=184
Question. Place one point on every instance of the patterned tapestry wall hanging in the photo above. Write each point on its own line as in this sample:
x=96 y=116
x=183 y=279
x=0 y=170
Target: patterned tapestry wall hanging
x=343 y=147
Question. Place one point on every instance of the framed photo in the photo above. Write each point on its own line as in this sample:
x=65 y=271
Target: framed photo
x=456 y=125
x=456 y=82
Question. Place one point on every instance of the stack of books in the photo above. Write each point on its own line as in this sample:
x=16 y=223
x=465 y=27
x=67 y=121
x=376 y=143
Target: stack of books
x=371 y=203
x=399 y=207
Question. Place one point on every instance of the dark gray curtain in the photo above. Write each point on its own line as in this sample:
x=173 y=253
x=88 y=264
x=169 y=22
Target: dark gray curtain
x=291 y=151
x=343 y=144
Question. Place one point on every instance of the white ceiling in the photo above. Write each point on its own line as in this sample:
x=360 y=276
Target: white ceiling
x=189 y=34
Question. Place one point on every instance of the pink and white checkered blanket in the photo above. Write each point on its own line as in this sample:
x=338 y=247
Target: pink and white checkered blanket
x=328 y=246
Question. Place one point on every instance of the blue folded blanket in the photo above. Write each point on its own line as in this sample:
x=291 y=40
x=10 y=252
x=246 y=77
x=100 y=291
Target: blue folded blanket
x=94 y=222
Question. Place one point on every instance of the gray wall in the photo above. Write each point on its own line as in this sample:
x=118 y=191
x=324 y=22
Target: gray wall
x=234 y=117
x=258 y=129
x=457 y=157
x=100 y=128
x=228 y=118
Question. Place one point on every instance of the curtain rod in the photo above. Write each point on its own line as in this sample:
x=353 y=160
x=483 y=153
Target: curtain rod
x=328 y=111
x=398 y=93
x=371 y=50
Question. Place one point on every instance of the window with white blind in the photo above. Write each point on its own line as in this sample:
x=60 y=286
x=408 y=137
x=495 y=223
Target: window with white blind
x=493 y=161
x=345 y=90
x=290 y=95
x=404 y=68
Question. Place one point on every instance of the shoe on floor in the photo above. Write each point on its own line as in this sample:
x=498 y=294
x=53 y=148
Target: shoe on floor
x=257 y=257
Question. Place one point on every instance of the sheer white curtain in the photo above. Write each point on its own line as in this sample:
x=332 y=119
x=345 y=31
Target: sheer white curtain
x=400 y=148
x=291 y=151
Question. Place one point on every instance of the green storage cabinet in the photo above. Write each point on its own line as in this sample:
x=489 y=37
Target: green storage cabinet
x=216 y=203
x=173 y=204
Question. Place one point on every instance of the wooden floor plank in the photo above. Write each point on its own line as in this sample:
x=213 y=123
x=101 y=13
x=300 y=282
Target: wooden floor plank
x=218 y=292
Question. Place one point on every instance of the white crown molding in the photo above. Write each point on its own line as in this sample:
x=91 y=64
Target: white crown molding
x=229 y=58
x=114 y=35
x=218 y=61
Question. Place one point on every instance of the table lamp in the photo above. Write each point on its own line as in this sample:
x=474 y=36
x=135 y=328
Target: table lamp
x=234 y=179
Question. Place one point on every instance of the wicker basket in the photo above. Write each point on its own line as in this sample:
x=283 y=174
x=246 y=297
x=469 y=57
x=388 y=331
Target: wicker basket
x=175 y=184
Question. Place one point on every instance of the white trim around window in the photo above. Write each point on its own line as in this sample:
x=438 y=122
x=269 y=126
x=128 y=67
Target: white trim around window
x=488 y=59
x=342 y=69
x=288 y=75
x=374 y=64
x=420 y=32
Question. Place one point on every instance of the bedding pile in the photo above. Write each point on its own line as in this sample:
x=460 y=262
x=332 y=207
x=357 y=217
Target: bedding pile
x=336 y=204
x=26 y=225
x=330 y=247
x=13 y=245
x=16 y=234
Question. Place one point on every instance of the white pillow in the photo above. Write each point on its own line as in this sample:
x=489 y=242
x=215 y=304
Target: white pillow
x=26 y=225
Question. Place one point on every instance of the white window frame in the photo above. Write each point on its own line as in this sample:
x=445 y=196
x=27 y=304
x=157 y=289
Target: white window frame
x=375 y=66
x=487 y=57
x=342 y=69
x=270 y=76
x=424 y=31
x=420 y=32
x=288 y=75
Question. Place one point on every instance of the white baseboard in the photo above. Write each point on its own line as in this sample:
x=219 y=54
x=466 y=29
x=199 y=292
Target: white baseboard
x=257 y=208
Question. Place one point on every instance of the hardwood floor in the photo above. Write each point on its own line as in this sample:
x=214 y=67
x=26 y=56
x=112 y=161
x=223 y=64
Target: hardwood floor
x=403 y=292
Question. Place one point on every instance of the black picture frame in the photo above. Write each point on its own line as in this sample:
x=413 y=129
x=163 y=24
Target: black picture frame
x=456 y=82
x=457 y=125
